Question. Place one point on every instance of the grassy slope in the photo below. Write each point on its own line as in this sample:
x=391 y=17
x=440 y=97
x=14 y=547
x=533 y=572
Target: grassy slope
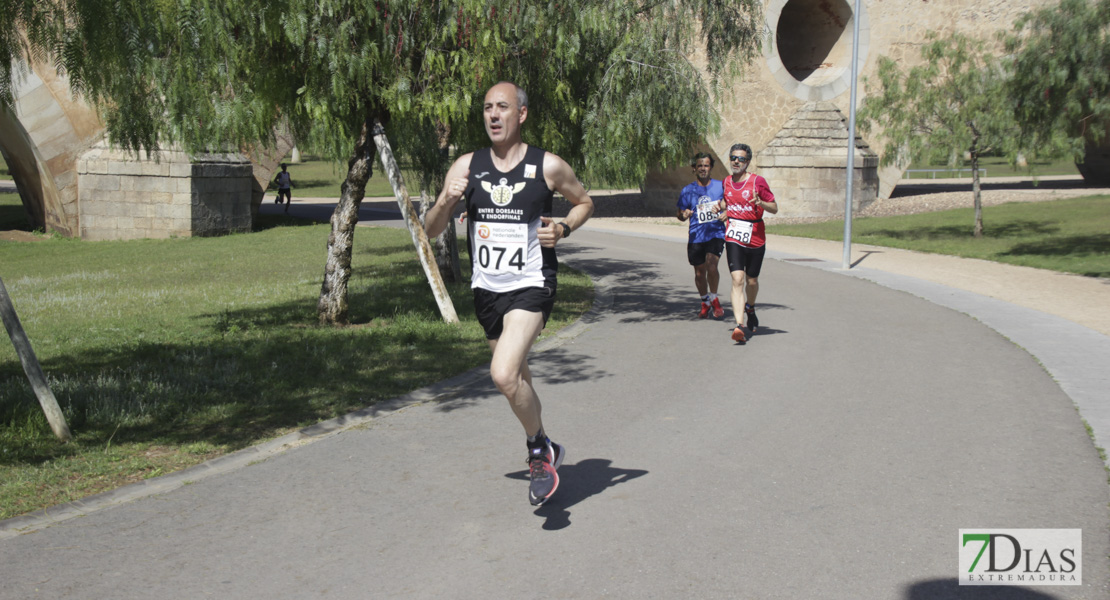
x=1070 y=235
x=166 y=353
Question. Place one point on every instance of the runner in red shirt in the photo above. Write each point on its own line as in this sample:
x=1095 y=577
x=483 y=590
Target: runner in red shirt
x=747 y=196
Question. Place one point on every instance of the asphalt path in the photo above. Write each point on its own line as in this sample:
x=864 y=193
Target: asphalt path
x=835 y=455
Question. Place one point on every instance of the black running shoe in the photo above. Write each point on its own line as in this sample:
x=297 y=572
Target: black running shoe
x=753 y=321
x=542 y=464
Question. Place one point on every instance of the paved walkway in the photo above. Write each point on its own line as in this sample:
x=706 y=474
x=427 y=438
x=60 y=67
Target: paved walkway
x=836 y=455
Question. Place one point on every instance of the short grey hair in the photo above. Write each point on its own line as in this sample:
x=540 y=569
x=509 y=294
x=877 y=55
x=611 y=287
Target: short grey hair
x=521 y=95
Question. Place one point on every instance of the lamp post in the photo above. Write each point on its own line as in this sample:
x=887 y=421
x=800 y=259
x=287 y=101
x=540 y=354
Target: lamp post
x=847 y=262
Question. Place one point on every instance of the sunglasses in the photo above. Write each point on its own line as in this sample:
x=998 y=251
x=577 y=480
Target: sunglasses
x=738 y=159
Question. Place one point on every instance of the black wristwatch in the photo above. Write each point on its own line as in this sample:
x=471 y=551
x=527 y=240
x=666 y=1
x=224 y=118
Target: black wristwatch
x=566 y=230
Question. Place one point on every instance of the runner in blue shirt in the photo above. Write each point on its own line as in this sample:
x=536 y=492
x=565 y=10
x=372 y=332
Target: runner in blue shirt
x=700 y=203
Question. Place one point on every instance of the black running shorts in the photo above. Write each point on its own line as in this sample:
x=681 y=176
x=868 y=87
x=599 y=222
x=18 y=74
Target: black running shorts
x=696 y=252
x=743 y=258
x=492 y=306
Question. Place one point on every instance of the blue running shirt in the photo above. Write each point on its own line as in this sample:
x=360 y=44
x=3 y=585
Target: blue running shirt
x=703 y=200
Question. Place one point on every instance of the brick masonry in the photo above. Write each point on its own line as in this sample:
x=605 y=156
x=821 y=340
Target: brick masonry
x=807 y=58
x=123 y=196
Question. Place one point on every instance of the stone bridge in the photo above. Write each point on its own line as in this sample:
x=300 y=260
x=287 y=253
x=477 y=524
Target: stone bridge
x=790 y=107
x=72 y=183
x=806 y=67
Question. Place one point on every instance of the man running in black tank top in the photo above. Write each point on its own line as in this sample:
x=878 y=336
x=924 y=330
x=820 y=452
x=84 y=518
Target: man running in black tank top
x=508 y=189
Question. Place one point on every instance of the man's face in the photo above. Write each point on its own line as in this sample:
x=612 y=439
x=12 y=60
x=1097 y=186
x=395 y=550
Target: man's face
x=701 y=169
x=738 y=161
x=501 y=114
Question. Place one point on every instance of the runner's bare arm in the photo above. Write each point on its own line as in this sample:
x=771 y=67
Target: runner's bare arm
x=771 y=205
x=454 y=185
x=561 y=178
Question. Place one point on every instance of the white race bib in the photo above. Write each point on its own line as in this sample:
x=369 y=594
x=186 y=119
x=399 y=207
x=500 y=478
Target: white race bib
x=501 y=247
x=707 y=212
x=740 y=231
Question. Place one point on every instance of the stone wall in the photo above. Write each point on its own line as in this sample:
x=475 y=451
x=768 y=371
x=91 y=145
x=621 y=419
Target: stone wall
x=41 y=139
x=807 y=57
x=807 y=162
x=124 y=196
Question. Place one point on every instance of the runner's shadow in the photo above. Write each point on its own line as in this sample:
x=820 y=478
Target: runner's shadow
x=945 y=589
x=576 y=483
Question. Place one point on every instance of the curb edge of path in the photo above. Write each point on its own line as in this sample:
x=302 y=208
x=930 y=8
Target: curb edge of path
x=41 y=519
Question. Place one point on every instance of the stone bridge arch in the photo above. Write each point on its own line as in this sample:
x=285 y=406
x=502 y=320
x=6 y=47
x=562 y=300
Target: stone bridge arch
x=54 y=143
x=806 y=65
x=41 y=139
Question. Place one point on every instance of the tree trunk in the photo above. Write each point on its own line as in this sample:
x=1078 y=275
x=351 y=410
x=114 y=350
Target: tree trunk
x=32 y=367
x=332 y=307
x=446 y=245
x=412 y=221
x=978 y=231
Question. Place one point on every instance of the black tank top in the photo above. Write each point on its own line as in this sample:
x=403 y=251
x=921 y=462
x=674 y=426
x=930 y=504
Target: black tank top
x=504 y=212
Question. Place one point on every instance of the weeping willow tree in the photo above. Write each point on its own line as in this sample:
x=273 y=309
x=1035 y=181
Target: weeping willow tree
x=951 y=106
x=1061 y=79
x=612 y=86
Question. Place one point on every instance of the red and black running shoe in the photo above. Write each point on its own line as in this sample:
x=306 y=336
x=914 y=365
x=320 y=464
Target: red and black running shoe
x=753 y=321
x=543 y=463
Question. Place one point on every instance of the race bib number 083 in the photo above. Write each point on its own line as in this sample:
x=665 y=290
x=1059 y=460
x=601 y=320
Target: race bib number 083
x=740 y=231
x=707 y=211
x=501 y=247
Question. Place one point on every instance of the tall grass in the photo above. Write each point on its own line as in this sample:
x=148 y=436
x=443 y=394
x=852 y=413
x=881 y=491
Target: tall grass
x=163 y=353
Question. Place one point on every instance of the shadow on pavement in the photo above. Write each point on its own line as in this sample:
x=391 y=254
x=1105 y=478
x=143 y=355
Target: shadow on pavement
x=578 y=482
x=639 y=291
x=946 y=589
x=560 y=366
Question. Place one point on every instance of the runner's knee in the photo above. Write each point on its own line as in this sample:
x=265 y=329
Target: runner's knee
x=507 y=379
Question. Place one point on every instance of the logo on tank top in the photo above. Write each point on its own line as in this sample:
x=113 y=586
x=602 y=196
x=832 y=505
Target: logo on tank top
x=502 y=193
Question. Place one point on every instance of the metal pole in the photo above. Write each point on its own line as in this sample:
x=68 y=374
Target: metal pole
x=847 y=262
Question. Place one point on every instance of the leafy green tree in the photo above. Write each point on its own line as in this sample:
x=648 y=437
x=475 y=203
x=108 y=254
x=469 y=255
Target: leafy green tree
x=951 y=106
x=611 y=85
x=1061 y=75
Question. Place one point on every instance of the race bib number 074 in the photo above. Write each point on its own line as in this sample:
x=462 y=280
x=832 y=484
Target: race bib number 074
x=501 y=247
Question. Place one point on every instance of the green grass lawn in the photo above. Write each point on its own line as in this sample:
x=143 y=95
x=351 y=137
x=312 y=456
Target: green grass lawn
x=164 y=353
x=1071 y=235
x=314 y=178
x=996 y=166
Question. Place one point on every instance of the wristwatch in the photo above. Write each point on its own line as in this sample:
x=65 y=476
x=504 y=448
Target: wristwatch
x=566 y=230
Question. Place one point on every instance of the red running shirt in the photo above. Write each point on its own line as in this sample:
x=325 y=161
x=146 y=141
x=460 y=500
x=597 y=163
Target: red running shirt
x=745 y=220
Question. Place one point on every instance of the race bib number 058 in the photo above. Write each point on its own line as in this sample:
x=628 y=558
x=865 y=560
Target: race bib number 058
x=740 y=231
x=501 y=247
